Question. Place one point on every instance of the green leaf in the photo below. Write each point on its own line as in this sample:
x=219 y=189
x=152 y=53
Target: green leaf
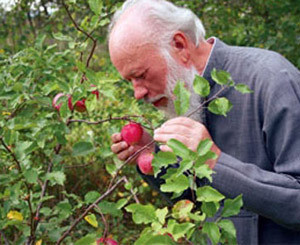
x=91 y=196
x=243 y=88
x=111 y=168
x=110 y=208
x=56 y=178
x=59 y=36
x=201 y=86
x=232 y=206
x=162 y=159
x=64 y=208
x=220 y=106
x=182 y=209
x=180 y=149
x=21 y=148
x=213 y=232
x=197 y=216
x=210 y=208
x=121 y=203
x=87 y=240
x=204 y=171
x=204 y=147
x=227 y=226
x=202 y=159
x=82 y=148
x=39 y=41
x=175 y=184
x=179 y=230
x=184 y=166
x=221 y=77
x=31 y=176
x=182 y=102
x=155 y=239
x=96 y=6
x=161 y=215
x=141 y=213
x=208 y=194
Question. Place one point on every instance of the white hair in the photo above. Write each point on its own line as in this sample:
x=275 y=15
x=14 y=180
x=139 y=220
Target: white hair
x=166 y=18
x=175 y=74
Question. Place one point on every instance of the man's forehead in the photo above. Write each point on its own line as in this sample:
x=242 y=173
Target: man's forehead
x=131 y=28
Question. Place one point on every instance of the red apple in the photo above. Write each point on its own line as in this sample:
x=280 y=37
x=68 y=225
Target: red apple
x=132 y=133
x=80 y=106
x=144 y=162
x=107 y=241
x=70 y=104
x=96 y=92
x=55 y=99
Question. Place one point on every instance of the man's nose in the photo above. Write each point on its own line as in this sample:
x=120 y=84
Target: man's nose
x=139 y=91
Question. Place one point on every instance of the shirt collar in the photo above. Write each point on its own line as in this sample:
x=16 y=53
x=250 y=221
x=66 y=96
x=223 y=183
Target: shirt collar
x=215 y=60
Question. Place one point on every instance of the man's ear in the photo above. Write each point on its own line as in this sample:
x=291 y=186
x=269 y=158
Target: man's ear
x=180 y=47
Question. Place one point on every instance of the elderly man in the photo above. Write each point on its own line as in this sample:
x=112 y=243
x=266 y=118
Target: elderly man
x=153 y=44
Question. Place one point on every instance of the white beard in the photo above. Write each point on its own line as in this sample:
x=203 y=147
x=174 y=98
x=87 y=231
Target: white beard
x=177 y=73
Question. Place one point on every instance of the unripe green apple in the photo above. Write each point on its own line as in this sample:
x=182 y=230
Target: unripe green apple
x=132 y=133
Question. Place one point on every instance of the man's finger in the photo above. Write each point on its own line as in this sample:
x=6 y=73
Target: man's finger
x=165 y=148
x=116 y=137
x=163 y=138
x=124 y=155
x=118 y=147
x=179 y=121
x=171 y=129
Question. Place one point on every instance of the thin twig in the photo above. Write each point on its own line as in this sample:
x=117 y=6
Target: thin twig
x=108 y=192
x=206 y=101
x=80 y=165
x=75 y=24
x=104 y=221
x=12 y=154
x=44 y=188
x=89 y=36
x=132 y=192
x=125 y=118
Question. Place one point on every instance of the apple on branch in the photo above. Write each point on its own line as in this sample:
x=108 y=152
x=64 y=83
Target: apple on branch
x=144 y=162
x=132 y=133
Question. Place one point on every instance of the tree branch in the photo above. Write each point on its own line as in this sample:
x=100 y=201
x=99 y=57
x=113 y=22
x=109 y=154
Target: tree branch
x=12 y=154
x=207 y=101
x=89 y=36
x=126 y=118
x=107 y=193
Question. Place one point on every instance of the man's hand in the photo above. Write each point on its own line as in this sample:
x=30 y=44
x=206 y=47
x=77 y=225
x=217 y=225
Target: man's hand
x=187 y=131
x=124 y=151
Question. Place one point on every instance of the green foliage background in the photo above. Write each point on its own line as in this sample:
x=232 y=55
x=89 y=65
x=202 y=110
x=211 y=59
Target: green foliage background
x=40 y=53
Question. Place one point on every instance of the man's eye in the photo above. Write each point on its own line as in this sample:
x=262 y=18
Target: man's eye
x=142 y=76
